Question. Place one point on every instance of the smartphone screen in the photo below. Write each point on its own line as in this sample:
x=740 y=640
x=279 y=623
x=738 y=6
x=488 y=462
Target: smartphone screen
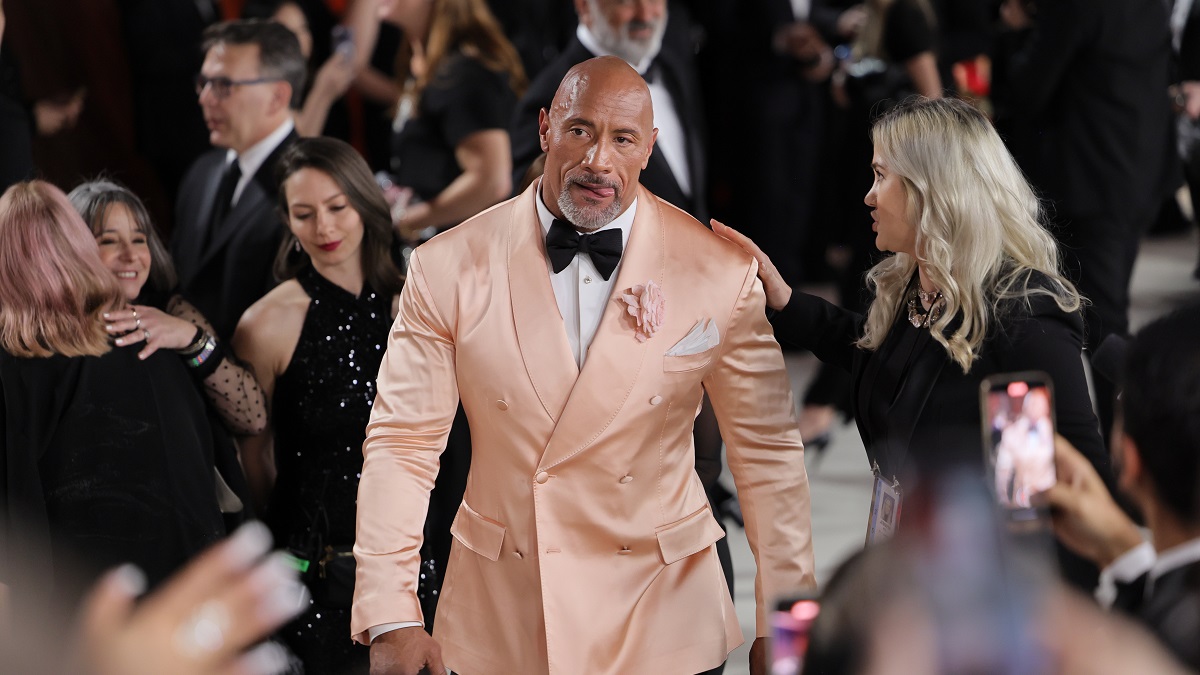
x=790 y=625
x=1019 y=438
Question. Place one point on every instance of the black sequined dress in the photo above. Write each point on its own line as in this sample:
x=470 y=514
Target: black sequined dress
x=321 y=406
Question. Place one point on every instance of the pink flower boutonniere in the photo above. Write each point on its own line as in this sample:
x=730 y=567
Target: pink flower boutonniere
x=645 y=303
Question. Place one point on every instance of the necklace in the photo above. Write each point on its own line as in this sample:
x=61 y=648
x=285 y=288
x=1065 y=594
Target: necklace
x=917 y=314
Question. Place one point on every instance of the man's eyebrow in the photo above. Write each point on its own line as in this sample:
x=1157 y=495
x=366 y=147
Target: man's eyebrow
x=581 y=120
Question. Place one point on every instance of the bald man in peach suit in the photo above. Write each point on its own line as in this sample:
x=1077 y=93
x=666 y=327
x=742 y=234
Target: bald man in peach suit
x=584 y=544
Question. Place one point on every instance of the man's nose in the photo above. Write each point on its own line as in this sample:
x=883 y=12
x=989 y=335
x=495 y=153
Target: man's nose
x=647 y=10
x=206 y=95
x=599 y=157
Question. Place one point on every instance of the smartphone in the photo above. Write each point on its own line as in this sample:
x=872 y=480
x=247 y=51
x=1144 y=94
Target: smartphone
x=790 y=625
x=1018 y=439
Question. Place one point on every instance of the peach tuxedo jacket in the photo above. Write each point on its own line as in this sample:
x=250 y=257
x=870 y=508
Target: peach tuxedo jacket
x=584 y=544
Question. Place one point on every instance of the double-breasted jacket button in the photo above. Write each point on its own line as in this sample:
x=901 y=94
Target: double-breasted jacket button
x=624 y=550
x=655 y=400
x=626 y=479
x=517 y=555
x=502 y=405
x=542 y=477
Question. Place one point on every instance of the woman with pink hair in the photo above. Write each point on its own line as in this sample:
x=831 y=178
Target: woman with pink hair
x=105 y=458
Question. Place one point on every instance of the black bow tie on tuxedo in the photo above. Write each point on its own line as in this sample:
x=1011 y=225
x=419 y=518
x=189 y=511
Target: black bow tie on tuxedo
x=563 y=242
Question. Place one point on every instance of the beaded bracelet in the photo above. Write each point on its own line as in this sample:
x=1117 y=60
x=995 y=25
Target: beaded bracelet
x=210 y=343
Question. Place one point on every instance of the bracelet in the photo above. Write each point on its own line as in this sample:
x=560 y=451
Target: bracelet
x=197 y=343
x=210 y=344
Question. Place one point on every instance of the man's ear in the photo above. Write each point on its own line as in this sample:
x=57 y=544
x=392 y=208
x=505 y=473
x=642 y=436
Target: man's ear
x=281 y=96
x=1130 y=479
x=650 y=149
x=584 y=12
x=544 y=129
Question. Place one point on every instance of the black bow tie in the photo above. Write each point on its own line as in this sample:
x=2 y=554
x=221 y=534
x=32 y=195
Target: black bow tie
x=563 y=242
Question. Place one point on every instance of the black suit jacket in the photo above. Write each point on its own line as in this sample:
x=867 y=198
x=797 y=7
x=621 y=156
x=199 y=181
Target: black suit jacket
x=936 y=422
x=678 y=69
x=1091 y=82
x=1187 y=61
x=228 y=275
x=1171 y=610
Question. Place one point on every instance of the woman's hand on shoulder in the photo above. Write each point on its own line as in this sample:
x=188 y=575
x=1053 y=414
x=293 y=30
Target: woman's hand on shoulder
x=142 y=323
x=778 y=291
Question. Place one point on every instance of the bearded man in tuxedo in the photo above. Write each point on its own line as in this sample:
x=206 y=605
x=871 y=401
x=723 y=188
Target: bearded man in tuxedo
x=580 y=324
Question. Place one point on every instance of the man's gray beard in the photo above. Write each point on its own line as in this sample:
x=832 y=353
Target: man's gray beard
x=619 y=44
x=588 y=220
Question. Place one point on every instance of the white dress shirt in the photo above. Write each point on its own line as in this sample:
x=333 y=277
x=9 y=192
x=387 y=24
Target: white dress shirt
x=252 y=159
x=1143 y=559
x=672 y=141
x=582 y=295
x=1179 y=17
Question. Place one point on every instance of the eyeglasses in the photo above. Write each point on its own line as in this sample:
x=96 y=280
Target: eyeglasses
x=222 y=87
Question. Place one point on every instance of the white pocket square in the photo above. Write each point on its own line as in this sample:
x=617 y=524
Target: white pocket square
x=703 y=337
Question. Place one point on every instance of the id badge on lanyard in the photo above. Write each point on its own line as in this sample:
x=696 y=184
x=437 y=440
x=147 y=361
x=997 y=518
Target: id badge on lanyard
x=886 y=500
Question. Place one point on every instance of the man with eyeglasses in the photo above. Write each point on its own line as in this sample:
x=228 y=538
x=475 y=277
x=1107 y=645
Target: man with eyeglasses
x=227 y=230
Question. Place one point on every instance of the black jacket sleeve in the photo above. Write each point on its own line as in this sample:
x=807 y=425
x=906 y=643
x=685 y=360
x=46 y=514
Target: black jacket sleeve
x=815 y=324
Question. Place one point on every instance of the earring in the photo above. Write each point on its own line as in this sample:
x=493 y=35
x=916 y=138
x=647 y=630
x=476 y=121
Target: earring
x=297 y=246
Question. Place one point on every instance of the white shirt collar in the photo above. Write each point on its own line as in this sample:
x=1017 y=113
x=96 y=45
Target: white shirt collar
x=1174 y=558
x=623 y=222
x=593 y=45
x=252 y=159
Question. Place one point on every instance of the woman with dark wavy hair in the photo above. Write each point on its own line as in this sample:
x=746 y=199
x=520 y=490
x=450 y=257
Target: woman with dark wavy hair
x=157 y=317
x=106 y=456
x=315 y=342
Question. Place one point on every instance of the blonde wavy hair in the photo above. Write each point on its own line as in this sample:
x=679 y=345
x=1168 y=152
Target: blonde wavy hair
x=979 y=225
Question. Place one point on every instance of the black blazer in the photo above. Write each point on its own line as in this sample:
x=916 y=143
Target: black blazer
x=1171 y=610
x=936 y=421
x=234 y=270
x=1187 y=59
x=1091 y=82
x=678 y=70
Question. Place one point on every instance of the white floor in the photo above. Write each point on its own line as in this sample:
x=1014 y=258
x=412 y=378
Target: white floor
x=840 y=481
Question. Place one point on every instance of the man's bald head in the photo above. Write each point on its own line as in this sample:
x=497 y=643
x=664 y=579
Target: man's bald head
x=597 y=136
x=608 y=74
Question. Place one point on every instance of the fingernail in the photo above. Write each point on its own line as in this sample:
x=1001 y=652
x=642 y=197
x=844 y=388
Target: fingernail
x=249 y=543
x=130 y=579
x=106 y=315
x=108 y=327
x=266 y=659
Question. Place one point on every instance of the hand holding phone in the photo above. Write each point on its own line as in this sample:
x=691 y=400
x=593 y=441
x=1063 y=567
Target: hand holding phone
x=1018 y=438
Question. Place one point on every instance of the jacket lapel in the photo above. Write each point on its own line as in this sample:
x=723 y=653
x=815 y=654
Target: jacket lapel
x=615 y=357
x=540 y=331
x=187 y=252
x=251 y=202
